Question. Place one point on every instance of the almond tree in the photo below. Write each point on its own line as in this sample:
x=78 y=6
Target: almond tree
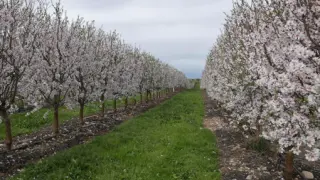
x=85 y=66
x=159 y=78
x=150 y=67
x=118 y=62
x=136 y=74
x=105 y=55
x=18 y=33
x=51 y=79
x=129 y=76
x=142 y=74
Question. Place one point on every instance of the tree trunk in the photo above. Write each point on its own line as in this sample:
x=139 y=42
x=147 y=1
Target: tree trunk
x=81 y=113
x=115 y=105
x=141 y=98
x=147 y=96
x=6 y=119
x=288 y=171
x=102 y=105
x=126 y=103
x=56 y=120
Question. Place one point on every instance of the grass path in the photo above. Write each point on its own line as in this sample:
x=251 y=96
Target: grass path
x=166 y=142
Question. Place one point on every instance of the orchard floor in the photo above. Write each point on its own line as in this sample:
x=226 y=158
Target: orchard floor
x=166 y=142
x=238 y=162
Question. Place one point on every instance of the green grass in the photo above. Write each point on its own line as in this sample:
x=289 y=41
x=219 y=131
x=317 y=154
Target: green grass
x=166 y=142
x=24 y=125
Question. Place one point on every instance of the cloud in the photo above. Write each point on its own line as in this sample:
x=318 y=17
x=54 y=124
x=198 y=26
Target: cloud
x=179 y=32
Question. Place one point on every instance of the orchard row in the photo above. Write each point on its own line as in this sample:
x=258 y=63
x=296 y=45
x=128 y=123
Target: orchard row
x=48 y=59
x=265 y=70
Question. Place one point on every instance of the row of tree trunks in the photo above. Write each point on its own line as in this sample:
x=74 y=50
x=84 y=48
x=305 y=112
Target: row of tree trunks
x=149 y=96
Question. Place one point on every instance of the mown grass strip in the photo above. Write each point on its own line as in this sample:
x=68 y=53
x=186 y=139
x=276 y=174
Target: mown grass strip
x=166 y=142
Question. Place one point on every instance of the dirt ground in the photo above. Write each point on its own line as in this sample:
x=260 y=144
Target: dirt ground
x=32 y=147
x=237 y=162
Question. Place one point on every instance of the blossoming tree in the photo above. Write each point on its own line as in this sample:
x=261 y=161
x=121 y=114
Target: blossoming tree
x=264 y=69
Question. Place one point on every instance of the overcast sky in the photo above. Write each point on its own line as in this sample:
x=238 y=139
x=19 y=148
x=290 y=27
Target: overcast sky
x=179 y=32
